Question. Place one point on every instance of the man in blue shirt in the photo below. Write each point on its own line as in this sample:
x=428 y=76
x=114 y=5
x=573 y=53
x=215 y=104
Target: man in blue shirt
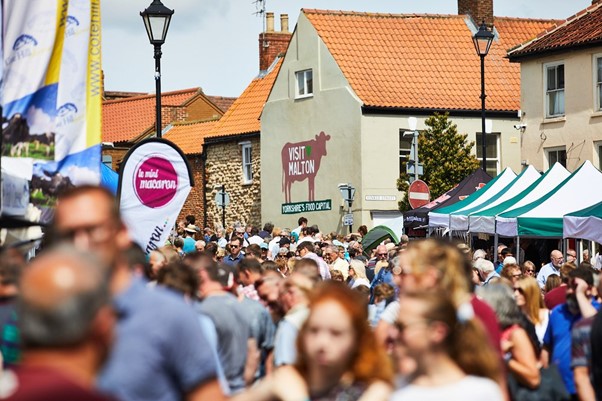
x=557 y=340
x=160 y=351
x=235 y=255
x=556 y=260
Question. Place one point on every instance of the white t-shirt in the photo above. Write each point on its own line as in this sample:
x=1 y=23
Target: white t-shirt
x=391 y=312
x=470 y=388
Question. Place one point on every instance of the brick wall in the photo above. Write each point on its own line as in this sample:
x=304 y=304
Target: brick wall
x=194 y=203
x=479 y=10
x=117 y=155
x=200 y=109
x=271 y=44
x=224 y=166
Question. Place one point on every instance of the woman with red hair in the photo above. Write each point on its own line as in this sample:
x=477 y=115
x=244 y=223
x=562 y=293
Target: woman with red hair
x=338 y=357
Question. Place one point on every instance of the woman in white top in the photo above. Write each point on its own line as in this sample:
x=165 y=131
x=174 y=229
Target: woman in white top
x=357 y=271
x=452 y=356
x=530 y=301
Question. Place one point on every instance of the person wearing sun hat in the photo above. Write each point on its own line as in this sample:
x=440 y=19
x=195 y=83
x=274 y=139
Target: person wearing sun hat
x=189 y=242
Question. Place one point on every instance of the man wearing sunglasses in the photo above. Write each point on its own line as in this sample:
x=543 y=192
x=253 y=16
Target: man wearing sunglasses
x=235 y=255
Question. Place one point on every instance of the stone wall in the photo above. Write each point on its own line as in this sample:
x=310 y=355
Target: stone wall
x=224 y=166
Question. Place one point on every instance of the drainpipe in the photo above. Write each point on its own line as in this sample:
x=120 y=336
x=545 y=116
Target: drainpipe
x=204 y=183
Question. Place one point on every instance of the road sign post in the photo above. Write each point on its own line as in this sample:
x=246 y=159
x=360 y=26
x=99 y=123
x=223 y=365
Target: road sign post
x=222 y=199
x=419 y=194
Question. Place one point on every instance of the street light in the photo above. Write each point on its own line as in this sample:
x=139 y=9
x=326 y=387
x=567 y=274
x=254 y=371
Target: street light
x=156 y=21
x=348 y=193
x=482 y=42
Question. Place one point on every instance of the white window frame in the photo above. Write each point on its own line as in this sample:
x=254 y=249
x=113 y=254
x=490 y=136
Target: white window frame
x=247 y=162
x=404 y=154
x=547 y=92
x=302 y=77
x=597 y=79
x=479 y=148
x=548 y=151
x=598 y=153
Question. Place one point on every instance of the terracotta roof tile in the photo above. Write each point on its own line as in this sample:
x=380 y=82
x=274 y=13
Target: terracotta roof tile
x=189 y=135
x=124 y=119
x=243 y=116
x=223 y=103
x=581 y=29
x=422 y=60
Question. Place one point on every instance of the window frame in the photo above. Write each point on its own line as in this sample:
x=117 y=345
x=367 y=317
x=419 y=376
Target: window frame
x=246 y=165
x=555 y=149
x=548 y=92
x=107 y=160
x=404 y=154
x=304 y=74
x=498 y=151
x=597 y=81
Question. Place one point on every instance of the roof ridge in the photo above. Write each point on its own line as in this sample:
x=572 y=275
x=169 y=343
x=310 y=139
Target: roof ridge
x=374 y=14
x=197 y=89
x=411 y=15
x=193 y=122
x=560 y=24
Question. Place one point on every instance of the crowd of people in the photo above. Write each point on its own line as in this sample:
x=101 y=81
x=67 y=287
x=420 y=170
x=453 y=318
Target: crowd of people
x=276 y=314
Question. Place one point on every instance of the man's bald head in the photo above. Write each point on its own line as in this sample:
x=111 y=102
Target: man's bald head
x=556 y=258
x=62 y=291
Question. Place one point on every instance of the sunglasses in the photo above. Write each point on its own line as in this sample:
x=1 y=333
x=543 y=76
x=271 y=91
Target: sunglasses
x=529 y=271
x=520 y=290
x=382 y=254
x=234 y=246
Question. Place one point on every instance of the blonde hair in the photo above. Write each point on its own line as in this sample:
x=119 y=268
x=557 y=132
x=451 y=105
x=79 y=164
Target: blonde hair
x=451 y=265
x=359 y=268
x=533 y=298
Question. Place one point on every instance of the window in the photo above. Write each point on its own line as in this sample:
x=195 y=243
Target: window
x=247 y=163
x=598 y=78
x=556 y=155
x=492 y=152
x=554 y=90
x=405 y=150
x=107 y=160
x=305 y=83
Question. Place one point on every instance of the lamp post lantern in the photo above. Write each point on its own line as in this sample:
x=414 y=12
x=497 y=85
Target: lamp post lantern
x=156 y=21
x=482 y=42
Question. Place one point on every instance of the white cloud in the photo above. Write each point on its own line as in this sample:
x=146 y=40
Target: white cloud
x=82 y=175
x=39 y=122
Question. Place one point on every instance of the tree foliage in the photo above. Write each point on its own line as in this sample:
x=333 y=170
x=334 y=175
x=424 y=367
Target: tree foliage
x=445 y=155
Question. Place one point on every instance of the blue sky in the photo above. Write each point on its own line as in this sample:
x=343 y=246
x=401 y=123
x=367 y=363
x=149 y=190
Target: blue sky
x=214 y=43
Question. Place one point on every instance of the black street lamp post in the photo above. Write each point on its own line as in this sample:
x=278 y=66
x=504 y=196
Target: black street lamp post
x=482 y=42
x=156 y=21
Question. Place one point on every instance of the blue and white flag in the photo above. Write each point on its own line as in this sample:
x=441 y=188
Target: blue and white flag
x=51 y=95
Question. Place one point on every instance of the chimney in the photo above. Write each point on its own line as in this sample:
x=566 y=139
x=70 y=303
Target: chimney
x=271 y=43
x=284 y=22
x=269 y=22
x=479 y=10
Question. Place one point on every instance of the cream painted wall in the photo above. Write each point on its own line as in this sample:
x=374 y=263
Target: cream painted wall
x=363 y=150
x=333 y=109
x=580 y=130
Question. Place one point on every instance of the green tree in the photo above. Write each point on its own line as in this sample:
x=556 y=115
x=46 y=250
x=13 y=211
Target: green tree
x=445 y=155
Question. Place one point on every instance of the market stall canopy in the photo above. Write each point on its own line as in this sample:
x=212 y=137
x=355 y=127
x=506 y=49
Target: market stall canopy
x=392 y=229
x=525 y=179
x=585 y=223
x=109 y=179
x=543 y=218
x=418 y=218
x=483 y=221
x=459 y=220
x=441 y=217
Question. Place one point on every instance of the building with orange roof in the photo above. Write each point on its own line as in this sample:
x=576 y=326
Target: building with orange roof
x=347 y=86
x=189 y=137
x=561 y=92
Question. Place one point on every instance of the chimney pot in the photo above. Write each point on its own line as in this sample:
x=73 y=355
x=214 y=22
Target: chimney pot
x=284 y=23
x=269 y=22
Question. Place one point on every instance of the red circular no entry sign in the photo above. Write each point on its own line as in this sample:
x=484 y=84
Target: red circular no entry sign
x=418 y=194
